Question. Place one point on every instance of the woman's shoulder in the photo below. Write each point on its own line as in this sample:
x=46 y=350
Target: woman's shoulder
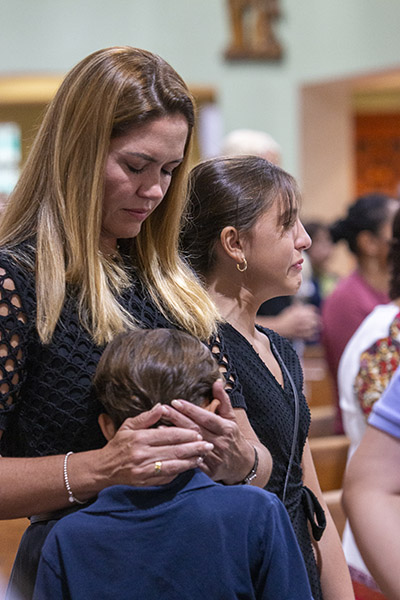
x=18 y=258
x=17 y=269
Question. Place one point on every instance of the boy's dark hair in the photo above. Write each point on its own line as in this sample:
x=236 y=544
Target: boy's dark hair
x=140 y=368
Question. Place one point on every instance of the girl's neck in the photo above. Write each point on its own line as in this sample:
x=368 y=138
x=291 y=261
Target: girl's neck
x=237 y=306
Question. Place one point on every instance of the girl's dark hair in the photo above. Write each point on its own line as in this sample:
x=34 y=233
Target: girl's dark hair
x=367 y=213
x=233 y=191
x=394 y=259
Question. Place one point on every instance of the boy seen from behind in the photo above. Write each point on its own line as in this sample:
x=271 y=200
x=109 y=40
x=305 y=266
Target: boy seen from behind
x=190 y=539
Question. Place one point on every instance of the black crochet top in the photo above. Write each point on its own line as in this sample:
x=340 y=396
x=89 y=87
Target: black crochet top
x=46 y=400
x=270 y=410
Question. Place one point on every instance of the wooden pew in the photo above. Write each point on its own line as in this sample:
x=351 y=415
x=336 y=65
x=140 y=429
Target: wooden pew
x=318 y=386
x=322 y=421
x=10 y=534
x=330 y=457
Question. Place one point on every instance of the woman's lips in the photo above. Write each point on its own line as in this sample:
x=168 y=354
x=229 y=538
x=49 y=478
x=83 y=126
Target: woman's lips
x=138 y=214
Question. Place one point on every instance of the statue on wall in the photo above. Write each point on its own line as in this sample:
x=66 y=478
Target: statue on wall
x=252 y=35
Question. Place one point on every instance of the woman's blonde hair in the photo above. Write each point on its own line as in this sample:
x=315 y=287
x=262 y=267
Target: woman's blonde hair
x=57 y=202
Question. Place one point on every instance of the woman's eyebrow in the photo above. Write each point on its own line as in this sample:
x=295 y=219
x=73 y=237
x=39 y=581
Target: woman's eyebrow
x=149 y=158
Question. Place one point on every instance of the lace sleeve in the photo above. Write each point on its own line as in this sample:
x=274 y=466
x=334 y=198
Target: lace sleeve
x=233 y=386
x=13 y=339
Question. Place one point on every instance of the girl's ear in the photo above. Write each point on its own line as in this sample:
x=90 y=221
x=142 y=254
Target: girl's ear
x=231 y=243
x=107 y=426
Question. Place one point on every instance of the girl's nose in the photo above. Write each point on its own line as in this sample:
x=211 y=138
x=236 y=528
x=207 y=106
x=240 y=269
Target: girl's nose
x=303 y=240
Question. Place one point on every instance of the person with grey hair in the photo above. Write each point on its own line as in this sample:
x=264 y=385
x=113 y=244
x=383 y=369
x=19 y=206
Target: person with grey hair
x=251 y=141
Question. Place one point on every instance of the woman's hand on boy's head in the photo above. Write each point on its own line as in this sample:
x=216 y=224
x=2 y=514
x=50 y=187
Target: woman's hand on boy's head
x=142 y=456
x=222 y=430
x=225 y=407
x=145 y=419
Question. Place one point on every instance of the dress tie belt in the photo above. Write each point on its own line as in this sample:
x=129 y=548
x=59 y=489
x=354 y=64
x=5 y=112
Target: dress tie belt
x=314 y=512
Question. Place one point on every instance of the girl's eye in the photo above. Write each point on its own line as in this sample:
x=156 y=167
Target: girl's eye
x=166 y=172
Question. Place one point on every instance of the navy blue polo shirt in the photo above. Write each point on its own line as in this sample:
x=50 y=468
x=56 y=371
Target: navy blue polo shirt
x=192 y=539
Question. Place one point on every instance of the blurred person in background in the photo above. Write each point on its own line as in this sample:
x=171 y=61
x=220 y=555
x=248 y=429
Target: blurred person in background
x=367 y=365
x=372 y=491
x=322 y=281
x=367 y=229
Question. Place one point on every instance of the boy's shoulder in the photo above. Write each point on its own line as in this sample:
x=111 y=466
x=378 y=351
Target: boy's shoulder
x=214 y=497
x=249 y=494
x=246 y=499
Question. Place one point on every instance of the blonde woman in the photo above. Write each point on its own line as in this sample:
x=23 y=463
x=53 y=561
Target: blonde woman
x=89 y=249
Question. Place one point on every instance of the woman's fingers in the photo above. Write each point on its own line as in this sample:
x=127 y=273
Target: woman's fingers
x=208 y=422
x=164 y=471
x=179 y=419
x=145 y=419
x=225 y=407
x=132 y=454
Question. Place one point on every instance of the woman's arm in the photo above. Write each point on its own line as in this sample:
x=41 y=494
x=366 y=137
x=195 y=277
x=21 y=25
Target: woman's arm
x=372 y=502
x=334 y=573
x=36 y=485
x=233 y=438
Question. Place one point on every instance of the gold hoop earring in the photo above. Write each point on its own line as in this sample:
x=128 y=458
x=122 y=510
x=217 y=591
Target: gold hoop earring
x=240 y=267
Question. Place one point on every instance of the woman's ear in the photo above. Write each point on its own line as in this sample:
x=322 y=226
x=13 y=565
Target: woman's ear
x=231 y=243
x=107 y=426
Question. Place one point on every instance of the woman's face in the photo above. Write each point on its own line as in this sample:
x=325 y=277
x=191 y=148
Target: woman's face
x=274 y=256
x=138 y=173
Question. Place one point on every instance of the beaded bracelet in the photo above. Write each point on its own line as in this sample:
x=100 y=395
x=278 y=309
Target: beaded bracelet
x=71 y=497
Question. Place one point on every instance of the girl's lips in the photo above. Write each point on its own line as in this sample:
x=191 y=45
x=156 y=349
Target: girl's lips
x=298 y=264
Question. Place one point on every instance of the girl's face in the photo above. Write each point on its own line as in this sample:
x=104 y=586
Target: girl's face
x=138 y=173
x=274 y=255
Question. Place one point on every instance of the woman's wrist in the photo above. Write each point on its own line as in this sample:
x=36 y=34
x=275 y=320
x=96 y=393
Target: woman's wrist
x=243 y=466
x=86 y=475
x=252 y=474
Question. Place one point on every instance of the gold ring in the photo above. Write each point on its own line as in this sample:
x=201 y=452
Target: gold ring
x=158 y=467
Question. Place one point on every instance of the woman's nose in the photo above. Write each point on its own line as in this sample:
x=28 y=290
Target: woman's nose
x=151 y=188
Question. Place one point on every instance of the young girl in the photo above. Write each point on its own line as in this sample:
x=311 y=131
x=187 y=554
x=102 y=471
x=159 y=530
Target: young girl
x=243 y=237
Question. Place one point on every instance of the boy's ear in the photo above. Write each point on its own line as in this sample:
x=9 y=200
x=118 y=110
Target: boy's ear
x=212 y=407
x=107 y=426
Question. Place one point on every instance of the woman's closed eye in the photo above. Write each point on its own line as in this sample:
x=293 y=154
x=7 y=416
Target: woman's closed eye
x=135 y=170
